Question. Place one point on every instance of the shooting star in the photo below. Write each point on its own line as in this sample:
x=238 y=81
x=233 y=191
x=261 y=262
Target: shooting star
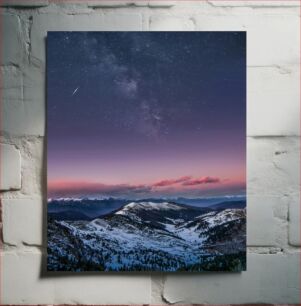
x=75 y=91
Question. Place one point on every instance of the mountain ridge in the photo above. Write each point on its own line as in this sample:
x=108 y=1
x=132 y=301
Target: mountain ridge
x=92 y=208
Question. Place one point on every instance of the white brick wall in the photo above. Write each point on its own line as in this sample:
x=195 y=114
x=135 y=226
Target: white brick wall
x=23 y=222
x=14 y=44
x=273 y=31
x=22 y=3
x=170 y=23
x=10 y=173
x=270 y=279
x=25 y=284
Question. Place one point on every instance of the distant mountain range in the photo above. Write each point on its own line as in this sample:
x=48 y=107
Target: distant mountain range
x=229 y=204
x=88 y=209
x=149 y=236
x=69 y=209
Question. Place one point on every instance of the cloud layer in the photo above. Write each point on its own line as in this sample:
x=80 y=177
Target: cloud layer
x=82 y=188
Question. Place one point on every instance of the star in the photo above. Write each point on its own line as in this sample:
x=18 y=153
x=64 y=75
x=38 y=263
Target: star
x=75 y=91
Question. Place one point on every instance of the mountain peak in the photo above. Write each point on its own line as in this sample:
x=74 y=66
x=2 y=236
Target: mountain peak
x=142 y=206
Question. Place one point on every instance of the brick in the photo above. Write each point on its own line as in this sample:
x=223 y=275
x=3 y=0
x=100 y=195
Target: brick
x=268 y=38
x=268 y=279
x=108 y=4
x=273 y=165
x=23 y=283
x=23 y=221
x=10 y=167
x=90 y=22
x=273 y=180
x=12 y=45
x=250 y=3
x=170 y=23
x=294 y=220
x=260 y=219
x=24 y=102
x=160 y=3
x=11 y=83
x=276 y=93
x=268 y=34
x=33 y=167
x=34 y=100
x=114 y=4
x=24 y=3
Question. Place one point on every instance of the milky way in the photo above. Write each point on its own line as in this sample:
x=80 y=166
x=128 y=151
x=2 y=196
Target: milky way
x=134 y=108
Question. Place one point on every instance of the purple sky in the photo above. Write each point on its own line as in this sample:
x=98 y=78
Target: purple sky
x=127 y=110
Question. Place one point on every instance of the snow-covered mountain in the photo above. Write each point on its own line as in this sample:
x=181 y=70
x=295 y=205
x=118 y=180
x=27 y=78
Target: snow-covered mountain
x=139 y=236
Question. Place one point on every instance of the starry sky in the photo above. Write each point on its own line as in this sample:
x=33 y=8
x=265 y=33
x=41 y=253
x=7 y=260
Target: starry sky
x=146 y=114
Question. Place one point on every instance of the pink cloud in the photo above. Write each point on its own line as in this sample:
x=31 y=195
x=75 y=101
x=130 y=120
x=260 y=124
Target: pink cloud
x=64 y=188
x=202 y=180
x=169 y=182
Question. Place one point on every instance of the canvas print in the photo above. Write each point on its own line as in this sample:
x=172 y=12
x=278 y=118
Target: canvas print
x=146 y=151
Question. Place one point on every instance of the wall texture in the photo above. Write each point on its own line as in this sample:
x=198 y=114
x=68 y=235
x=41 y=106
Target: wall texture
x=273 y=29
